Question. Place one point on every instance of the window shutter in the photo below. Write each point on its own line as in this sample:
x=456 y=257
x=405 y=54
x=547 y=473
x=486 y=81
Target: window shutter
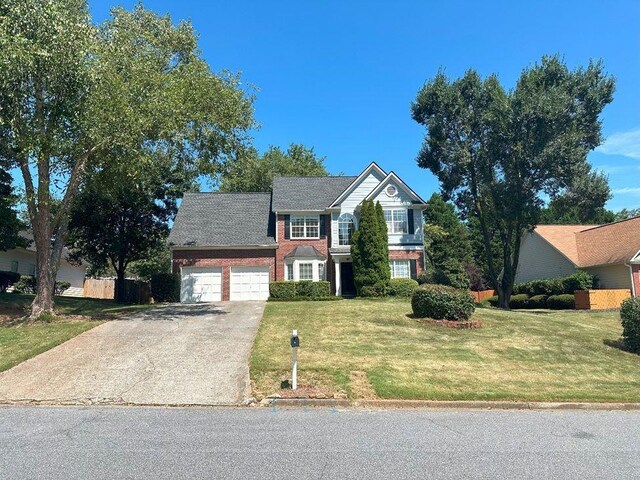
x=287 y=226
x=323 y=226
x=411 y=229
x=413 y=269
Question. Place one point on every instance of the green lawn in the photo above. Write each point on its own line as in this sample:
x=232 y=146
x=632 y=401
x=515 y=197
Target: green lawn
x=21 y=340
x=372 y=349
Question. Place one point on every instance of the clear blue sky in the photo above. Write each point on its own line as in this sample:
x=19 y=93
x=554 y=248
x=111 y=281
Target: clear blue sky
x=340 y=75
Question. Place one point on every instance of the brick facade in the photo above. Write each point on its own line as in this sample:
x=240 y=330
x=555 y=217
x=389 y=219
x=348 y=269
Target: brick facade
x=417 y=255
x=225 y=259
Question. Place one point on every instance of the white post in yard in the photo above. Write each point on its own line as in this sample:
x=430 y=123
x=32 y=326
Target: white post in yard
x=295 y=343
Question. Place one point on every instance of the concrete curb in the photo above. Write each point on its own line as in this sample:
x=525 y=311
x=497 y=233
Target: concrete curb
x=449 y=405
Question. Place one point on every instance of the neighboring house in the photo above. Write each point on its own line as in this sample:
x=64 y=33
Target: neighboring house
x=229 y=246
x=612 y=252
x=23 y=261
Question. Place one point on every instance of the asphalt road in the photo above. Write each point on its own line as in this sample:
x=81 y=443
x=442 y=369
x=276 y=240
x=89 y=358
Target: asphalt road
x=234 y=443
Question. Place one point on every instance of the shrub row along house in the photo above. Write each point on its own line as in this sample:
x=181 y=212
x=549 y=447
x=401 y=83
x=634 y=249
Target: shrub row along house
x=229 y=246
x=611 y=252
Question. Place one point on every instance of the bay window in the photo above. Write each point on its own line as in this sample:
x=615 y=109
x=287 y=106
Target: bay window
x=300 y=270
x=305 y=271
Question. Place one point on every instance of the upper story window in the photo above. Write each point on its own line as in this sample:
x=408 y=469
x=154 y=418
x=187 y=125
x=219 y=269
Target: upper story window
x=396 y=220
x=14 y=266
x=346 y=227
x=391 y=190
x=305 y=227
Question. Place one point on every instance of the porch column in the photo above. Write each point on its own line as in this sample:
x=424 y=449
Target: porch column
x=338 y=284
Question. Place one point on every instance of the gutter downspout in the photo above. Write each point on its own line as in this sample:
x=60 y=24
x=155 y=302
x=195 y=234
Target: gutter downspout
x=633 y=285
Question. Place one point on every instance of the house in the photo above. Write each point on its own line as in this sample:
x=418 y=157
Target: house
x=611 y=252
x=23 y=261
x=229 y=246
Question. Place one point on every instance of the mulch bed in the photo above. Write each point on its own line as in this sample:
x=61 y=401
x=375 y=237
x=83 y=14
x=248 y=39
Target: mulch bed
x=452 y=323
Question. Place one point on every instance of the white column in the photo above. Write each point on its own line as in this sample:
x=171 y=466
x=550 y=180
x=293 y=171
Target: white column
x=338 y=284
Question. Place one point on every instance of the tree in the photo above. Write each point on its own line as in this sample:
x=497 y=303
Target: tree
x=370 y=252
x=251 y=172
x=122 y=216
x=627 y=213
x=498 y=153
x=582 y=203
x=75 y=96
x=10 y=224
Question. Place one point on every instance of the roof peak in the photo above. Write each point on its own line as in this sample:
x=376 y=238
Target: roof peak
x=593 y=227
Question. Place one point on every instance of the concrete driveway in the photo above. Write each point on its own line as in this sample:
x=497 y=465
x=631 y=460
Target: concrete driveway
x=170 y=355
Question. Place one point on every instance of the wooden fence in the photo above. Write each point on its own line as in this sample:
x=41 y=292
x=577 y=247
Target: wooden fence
x=600 y=299
x=482 y=294
x=100 y=288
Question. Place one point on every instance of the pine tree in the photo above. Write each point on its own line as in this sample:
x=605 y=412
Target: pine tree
x=369 y=252
x=385 y=270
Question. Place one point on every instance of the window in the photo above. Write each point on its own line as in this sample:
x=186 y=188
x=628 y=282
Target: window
x=288 y=271
x=305 y=271
x=396 y=220
x=14 y=266
x=305 y=227
x=400 y=269
x=346 y=227
x=391 y=190
x=321 y=271
x=32 y=269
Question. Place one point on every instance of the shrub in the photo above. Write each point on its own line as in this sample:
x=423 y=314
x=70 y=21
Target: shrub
x=580 y=280
x=26 y=284
x=493 y=301
x=305 y=289
x=7 y=279
x=565 y=301
x=402 y=287
x=282 y=290
x=377 y=290
x=630 y=317
x=321 y=289
x=165 y=287
x=426 y=276
x=538 y=301
x=519 y=301
x=442 y=303
x=60 y=287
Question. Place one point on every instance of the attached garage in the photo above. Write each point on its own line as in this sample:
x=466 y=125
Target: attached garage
x=201 y=284
x=249 y=283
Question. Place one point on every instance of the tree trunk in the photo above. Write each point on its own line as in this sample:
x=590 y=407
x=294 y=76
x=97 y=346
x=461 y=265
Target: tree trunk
x=121 y=290
x=45 y=281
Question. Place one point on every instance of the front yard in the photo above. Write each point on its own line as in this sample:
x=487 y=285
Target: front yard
x=21 y=340
x=372 y=349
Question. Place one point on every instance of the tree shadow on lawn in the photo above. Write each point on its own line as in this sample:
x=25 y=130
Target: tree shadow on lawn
x=618 y=344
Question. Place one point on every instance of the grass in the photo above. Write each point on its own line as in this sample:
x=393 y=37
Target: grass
x=21 y=339
x=371 y=348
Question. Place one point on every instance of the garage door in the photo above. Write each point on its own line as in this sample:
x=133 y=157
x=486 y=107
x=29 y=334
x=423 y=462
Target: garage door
x=201 y=284
x=249 y=283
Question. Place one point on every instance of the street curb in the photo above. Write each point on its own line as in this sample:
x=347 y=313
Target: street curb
x=448 y=405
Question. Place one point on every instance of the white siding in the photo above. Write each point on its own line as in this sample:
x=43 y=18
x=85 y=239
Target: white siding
x=360 y=191
x=612 y=276
x=538 y=260
x=25 y=258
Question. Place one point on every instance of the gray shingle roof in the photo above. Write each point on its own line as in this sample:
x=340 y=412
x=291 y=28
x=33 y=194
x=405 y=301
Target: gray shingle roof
x=221 y=219
x=307 y=193
x=306 y=251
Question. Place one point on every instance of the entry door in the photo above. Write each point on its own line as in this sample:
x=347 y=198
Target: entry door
x=201 y=284
x=346 y=279
x=249 y=283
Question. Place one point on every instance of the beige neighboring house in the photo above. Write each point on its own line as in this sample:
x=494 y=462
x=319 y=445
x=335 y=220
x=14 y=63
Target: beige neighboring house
x=23 y=261
x=611 y=251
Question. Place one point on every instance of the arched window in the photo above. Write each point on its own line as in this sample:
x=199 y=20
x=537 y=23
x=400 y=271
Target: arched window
x=346 y=227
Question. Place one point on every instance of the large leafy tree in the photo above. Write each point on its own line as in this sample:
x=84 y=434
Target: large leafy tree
x=75 y=96
x=370 y=251
x=251 y=172
x=10 y=223
x=498 y=153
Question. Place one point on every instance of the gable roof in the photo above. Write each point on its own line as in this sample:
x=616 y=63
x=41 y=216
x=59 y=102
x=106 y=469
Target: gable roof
x=215 y=219
x=392 y=177
x=307 y=193
x=373 y=166
x=591 y=245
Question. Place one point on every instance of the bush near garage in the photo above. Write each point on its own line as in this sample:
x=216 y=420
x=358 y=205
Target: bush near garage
x=561 y=302
x=580 y=280
x=286 y=290
x=402 y=287
x=538 y=301
x=165 y=287
x=630 y=317
x=520 y=301
x=440 y=302
x=7 y=279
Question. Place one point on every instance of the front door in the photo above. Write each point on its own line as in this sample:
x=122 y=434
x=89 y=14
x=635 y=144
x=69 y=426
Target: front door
x=346 y=279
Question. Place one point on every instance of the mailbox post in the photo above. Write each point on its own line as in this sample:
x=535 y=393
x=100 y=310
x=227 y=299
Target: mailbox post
x=295 y=343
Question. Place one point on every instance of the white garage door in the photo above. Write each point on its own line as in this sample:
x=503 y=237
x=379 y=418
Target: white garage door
x=201 y=284
x=249 y=283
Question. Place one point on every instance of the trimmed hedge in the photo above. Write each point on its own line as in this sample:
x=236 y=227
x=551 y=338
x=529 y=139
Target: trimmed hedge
x=561 y=302
x=580 y=280
x=442 y=303
x=402 y=287
x=7 y=279
x=519 y=301
x=299 y=290
x=538 y=301
x=377 y=290
x=165 y=287
x=493 y=301
x=630 y=317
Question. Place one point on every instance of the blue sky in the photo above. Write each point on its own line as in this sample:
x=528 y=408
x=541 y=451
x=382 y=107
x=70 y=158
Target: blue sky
x=340 y=76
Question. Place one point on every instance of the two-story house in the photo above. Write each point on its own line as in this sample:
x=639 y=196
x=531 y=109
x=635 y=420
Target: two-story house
x=229 y=246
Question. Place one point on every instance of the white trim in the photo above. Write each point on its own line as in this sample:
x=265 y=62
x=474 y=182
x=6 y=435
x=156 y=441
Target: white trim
x=315 y=274
x=304 y=227
x=358 y=179
x=633 y=287
x=406 y=248
x=398 y=182
x=393 y=261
